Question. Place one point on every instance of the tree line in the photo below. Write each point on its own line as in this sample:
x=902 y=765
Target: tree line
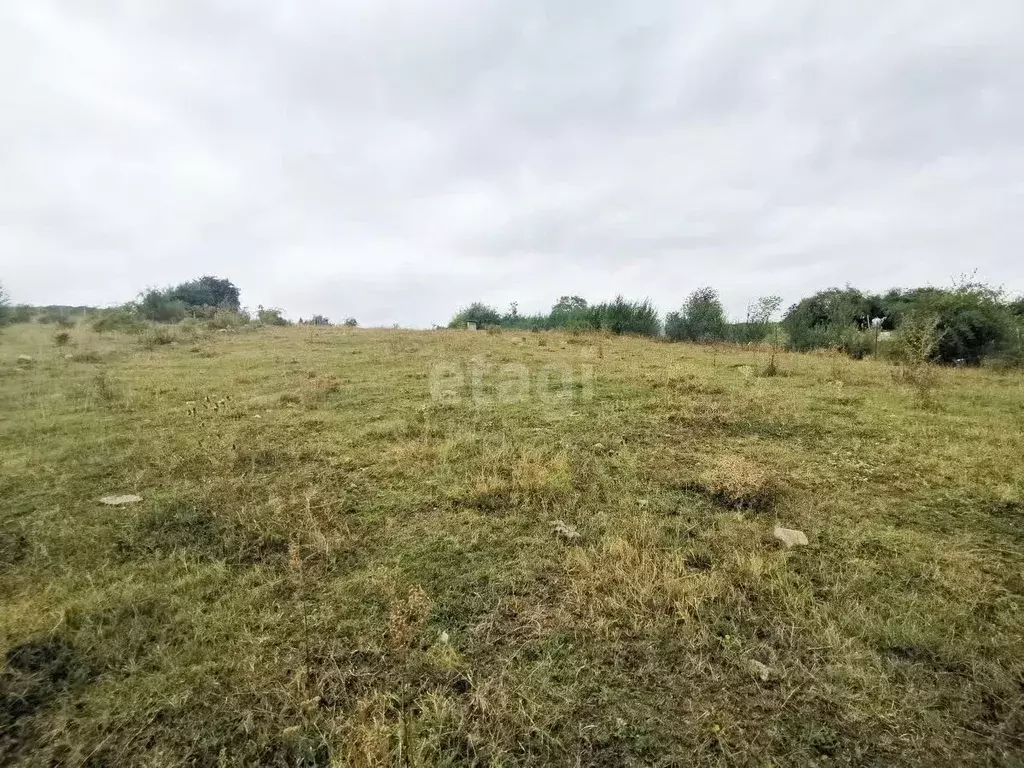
x=970 y=321
x=966 y=323
x=214 y=301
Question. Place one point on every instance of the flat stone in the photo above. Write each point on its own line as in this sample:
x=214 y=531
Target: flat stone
x=790 y=537
x=25 y=360
x=117 y=501
x=564 y=531
x=761 y=671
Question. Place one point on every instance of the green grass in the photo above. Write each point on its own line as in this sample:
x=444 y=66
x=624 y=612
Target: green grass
x=332 y=566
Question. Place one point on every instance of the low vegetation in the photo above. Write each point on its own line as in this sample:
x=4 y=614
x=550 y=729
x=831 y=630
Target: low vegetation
x=974 y=323
x=330 y=564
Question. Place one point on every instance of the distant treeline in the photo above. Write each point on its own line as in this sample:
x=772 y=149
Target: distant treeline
x=970 y=321
x=209 y=300
x=966 y=323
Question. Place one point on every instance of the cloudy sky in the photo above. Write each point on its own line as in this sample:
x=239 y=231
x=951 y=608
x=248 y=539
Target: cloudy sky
x=394 y=159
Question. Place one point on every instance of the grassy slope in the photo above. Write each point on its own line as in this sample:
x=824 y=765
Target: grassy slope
x=329 y=565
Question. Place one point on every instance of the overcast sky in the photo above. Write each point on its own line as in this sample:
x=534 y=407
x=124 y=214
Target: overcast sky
x=394 y=159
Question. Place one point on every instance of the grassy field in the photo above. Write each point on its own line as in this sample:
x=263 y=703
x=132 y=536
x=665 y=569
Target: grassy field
x=346 y=554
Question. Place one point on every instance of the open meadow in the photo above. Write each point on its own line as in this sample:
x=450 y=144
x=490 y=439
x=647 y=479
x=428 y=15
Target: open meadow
x=384 y=547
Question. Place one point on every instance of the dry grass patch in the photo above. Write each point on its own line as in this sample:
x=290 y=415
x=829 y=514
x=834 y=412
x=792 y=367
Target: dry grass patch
x=739 y=483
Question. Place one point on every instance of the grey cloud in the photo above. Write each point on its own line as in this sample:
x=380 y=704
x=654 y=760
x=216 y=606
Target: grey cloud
x=395 y=159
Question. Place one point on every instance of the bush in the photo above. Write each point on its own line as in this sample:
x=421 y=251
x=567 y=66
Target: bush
x=157 y=337
x=159 y=307
x=1011 y=352
x=638 y=318
x=123 y=318
x=271 y=316
x=972 y=322
x=350 y=322
x=702 y=318
x=20 y=313
x=206 y=291
x=825 y=320
x=917 y=340
x=478 y=313
x=62 y=339
x=223 y=319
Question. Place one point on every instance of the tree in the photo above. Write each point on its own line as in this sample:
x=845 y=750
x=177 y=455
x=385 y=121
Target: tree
x=478 y=313
x=350 y=322
x=207 y=291
x=621 y=316
x=972 y=322
x=572 y=312
x=762 y=311
x=569 y=304
x=701 y=319
x=829 y=318
x=5 y=306
x=270 y=316
x=159 y=307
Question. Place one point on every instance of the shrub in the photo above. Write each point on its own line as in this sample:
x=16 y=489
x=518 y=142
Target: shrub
x=1016 y=308
x=206 y=291
x=223 y=319
x=350 y=322
x=571 y=312
x=1011 y=351
x=825 y=320
x=62 y=339
x=123 y=318
x=758 y=325
x=157 y=337
x=478 y=313
x=20 y=313
x=159 y=307
x=272 y=316
x=702 y=318
x=972 y=322
x=620 y=316
x=915 y=347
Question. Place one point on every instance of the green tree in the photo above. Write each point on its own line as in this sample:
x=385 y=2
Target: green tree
x=271 y=316
x=478 y=313
x=207 y=291
x=701 y=319
x=827 y=319
x=972 y=320
x=160 y=307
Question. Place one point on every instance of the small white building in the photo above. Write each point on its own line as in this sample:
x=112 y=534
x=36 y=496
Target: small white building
x=470 y=326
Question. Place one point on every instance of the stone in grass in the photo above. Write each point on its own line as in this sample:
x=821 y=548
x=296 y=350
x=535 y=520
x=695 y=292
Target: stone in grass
x=25 y=360
x=761 y=671
x=117 y=501
x=790 y=537
x=564 y=531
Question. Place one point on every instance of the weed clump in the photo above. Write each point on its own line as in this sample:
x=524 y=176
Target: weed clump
x=738 y=483
x=917 y=341
x=157 y=337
